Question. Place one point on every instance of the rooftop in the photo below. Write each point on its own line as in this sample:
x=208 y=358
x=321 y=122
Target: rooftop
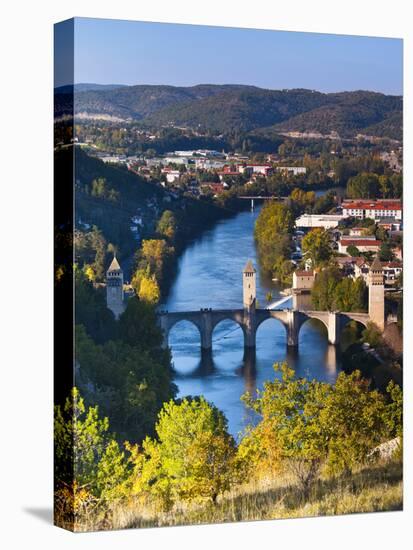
x=114 y=266
x=249 y=268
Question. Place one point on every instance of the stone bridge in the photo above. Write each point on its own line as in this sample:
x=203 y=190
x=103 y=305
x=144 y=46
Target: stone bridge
x=249 y=319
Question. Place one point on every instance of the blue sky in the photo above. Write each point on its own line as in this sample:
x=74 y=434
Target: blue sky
x=130 y=52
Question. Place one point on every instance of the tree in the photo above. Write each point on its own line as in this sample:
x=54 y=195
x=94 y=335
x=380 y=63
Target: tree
x=317 y=244
x=167 y=225
x=83 y=445
x=192 y=458
x=386 y=253
x=353 y=251
x=149 y=290
x=323 y=293
x=372 y=335
x=290 y=411
x=352 y=417
x=363 y=186
x=306 y=424
x=272 y=233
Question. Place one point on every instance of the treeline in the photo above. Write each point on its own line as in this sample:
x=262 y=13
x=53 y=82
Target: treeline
x=274 y=229
x=306 y=430
x=121 y=364
x=334 y=292
x=368 y=185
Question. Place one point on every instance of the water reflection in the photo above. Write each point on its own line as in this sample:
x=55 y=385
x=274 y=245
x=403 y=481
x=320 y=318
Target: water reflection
x=209 y=275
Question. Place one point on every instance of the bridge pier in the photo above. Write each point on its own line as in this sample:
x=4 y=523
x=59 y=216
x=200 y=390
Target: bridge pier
x=249 y=327
x=292 y=329
x=163 y=323
x=333 y=328
x=206 y=331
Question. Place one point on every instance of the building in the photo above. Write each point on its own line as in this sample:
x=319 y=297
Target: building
x=376 y=293
x=114 y=288
x=216 y=188
x=294 y=170
x=327 y=221
x=363 y=245
x=171 y=175
x=249 y=285
x=374 y=209
x=263 y=169
x=391 y=272
x=391 y=224
x=303 y=280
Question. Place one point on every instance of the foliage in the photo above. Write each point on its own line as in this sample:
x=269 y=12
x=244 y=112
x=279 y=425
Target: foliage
x=272 y=234
x=86 y=451
x=91 y=310
x=372 y=335
x=90 y=252
x=129 y=383
x=192 y=458
x=317 y=245
x=149 y=290
x=366 y=186
x=314 y=424
x=167 y=225
x=331 y=291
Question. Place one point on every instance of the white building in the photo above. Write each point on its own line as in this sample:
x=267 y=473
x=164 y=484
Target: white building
x=294 y=170
x=374 y=209
x=327 y=221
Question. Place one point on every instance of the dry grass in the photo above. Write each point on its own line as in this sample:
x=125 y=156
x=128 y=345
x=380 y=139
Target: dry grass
x=372 y=489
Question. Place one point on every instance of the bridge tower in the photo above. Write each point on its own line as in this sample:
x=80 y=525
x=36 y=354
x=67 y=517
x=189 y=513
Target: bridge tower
x=376 y=293
x=249 y=285
x=114 y=288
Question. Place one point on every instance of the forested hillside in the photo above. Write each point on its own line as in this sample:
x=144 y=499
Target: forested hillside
x=236 y=108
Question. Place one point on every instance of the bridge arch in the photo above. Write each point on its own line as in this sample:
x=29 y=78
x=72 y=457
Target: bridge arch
x=310 y=322
x=173 y=324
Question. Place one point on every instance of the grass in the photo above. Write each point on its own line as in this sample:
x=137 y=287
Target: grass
x=374 y=489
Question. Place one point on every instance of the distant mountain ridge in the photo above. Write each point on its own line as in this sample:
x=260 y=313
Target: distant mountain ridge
x=241 y=108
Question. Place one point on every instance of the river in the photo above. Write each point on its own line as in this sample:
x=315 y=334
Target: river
x=210 y=275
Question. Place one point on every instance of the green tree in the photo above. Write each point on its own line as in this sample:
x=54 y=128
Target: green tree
x=167 y=225
x=386 y=253
x=323 y=293
x=317 y=245
x=290 y=410
x=353 y=251
x=192 y=458
x=83 y=445
x=352 y=418
x=363 y=186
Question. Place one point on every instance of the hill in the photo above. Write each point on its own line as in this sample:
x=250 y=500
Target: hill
x=225 y=109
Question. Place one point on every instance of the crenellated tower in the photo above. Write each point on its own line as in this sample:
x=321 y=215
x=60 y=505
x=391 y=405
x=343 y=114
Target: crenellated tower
x=114 y=288
x=376 y=293
x=249 y=285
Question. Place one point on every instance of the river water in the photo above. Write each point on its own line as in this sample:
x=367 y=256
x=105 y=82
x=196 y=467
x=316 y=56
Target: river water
x=210 y=275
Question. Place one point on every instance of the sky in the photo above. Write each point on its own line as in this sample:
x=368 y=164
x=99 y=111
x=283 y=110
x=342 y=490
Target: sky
x=131 y=52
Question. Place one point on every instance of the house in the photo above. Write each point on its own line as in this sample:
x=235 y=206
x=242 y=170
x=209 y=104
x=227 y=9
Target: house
x=390 y=223
x=363 y=245
x=327 y=221
x=357 y=231
x=391 y=271
x=216 y=188
x=361 y=269
x=294 y=170
x=348 y=264
x=171 y=175
x=374 y=209
x=303 y=280
x=263 y=169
